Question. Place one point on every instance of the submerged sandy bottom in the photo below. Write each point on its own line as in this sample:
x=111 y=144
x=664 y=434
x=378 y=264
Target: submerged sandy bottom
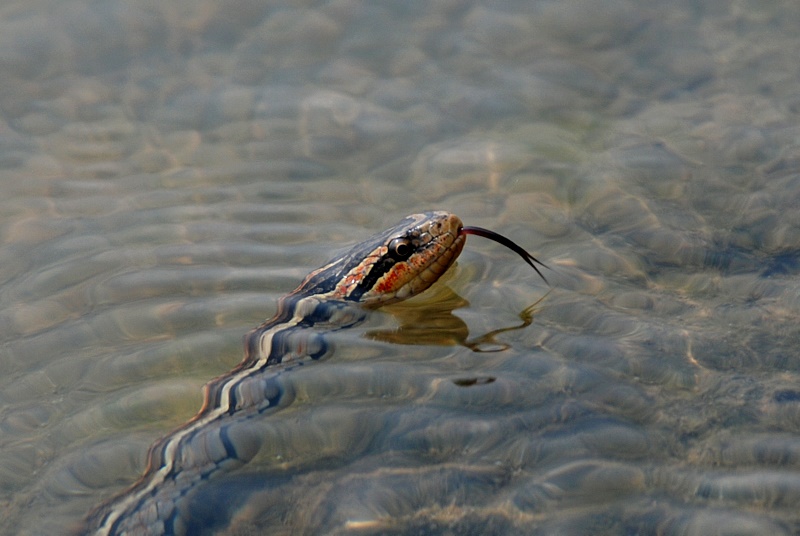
x=168 y=171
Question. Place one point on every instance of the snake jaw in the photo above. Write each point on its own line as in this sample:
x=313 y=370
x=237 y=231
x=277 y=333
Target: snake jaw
x=408 y=278
x=388 y=275
x=390 y=266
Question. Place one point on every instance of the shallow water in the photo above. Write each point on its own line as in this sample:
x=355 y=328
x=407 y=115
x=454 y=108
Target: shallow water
x=170 y=170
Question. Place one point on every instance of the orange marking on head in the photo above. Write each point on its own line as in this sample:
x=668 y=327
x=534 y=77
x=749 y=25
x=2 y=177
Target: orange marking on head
x=389 y=281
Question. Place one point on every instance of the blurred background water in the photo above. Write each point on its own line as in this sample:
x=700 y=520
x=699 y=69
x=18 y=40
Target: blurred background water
x=169 y=169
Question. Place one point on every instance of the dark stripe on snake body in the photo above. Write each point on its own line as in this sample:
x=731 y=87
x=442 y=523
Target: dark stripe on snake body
x=327 y=300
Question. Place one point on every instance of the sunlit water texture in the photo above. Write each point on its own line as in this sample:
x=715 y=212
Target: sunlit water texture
x=170 y=169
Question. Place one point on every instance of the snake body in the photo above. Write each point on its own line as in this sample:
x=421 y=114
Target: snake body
x=388 y=267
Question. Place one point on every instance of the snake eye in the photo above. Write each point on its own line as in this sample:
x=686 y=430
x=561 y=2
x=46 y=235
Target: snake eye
x=400 y=248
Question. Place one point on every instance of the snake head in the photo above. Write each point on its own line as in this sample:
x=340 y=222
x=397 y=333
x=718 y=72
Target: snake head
x=400 y=262
x=393 y=265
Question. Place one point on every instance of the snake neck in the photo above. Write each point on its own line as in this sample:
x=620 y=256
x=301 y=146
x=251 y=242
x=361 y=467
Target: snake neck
x=217 y=438
x=290 y=334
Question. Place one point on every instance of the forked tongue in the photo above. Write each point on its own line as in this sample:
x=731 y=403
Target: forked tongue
x=500 y=239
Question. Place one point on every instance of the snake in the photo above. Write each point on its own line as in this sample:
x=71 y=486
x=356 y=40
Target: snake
x=388 y=267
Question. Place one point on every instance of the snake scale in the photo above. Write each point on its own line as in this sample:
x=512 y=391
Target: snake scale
x=388 y=267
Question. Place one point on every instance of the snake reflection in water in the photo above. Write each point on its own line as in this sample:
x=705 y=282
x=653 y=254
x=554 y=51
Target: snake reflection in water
x=388 y=267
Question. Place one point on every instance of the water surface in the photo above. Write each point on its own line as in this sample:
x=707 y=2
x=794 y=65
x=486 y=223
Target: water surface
x=170 y=169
